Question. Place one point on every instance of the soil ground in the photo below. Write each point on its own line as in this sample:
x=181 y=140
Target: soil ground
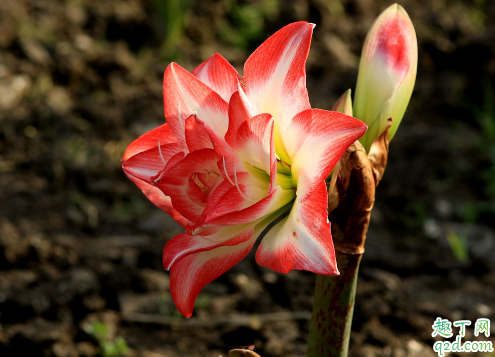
x=80 y=247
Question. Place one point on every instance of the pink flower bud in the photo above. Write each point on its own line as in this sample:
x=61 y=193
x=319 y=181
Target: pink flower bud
x=344 y=104
x=387 y=73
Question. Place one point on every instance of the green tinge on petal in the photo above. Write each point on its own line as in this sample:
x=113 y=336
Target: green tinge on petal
x=287 y=182
x=260 y=174
x=279 y=144
x=377 y=126
x=400 y=101
x=284 y=179
x=283 y=168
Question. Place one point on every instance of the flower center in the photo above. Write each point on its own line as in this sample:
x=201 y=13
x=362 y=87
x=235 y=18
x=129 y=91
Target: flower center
x=199 y=186
x=284 y=176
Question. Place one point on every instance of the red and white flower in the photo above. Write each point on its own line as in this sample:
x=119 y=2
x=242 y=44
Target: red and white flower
x=236 y=154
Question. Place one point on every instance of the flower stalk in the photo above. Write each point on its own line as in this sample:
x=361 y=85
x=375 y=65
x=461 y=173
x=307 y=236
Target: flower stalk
x=354 y=192
x=334 y=341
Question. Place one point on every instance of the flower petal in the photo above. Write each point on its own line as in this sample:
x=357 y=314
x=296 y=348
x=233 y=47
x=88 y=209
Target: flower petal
x=232 y=209
x=159 y=199
x=302 y=240
x=239 y=111
x=191 y=273
x=177 y=181
x=161 y=134
x=229 y=164
x=147 y=164
x=196 y=137
x=315 y=140
x=182 y=91
x=344 y=104
x=218 y=74
x=183 y=245
x=227 y=198
x=253 y=142
x=142 y=160
x=275 y=77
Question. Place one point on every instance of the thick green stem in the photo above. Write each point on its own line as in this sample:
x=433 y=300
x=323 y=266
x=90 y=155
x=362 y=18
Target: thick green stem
x=351 y=199
x=332 y=309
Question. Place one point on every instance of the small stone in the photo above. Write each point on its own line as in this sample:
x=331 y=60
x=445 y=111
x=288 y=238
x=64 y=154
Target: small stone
x=432 y=229
x=59 y=100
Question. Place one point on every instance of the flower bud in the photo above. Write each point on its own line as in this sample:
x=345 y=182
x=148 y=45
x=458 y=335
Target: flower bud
x=344 y=104
x=387 y=72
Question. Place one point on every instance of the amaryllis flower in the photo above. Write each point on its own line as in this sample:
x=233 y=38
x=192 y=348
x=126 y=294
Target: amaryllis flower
x=236 y=154
x=387 y=73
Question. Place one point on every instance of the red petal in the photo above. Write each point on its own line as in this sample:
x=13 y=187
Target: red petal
x=162 y=134
x=315 y=140
x=183 y=245
x=175 y=181
x=239 y=111
x=196 y=137
x=180 y=86
x=147 y=164
x=171 y=162
x=142 y=160
x=253 y=142
x=229 y=163
x=159 y=199
x=233 y=209
x=218 y=74
x=227 y=198
x=302 y=240
x=191 y=273
x=275 y=76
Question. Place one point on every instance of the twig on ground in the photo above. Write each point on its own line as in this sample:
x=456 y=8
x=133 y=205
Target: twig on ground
x=235 y=320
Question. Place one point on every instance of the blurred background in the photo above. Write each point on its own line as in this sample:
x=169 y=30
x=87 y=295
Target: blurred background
x=80 y=246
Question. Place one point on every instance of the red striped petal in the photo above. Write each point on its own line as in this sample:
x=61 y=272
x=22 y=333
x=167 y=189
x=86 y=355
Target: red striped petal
x=159 y=199
x=239 y=111
x=233 y=209
x=192 y=272
x=253 y=142
x=315 y=141
x=162 y=134
x=183 y=245
x=218 y=74
x=196 y=137
x=275 y=77
x=147 y=164
x=302 y=240
x=189 y=276
x=182 y=91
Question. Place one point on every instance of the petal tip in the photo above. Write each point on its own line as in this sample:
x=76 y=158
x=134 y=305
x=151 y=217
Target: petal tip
x=187 y=314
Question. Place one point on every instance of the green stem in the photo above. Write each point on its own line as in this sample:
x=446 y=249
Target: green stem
x=332 y=309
